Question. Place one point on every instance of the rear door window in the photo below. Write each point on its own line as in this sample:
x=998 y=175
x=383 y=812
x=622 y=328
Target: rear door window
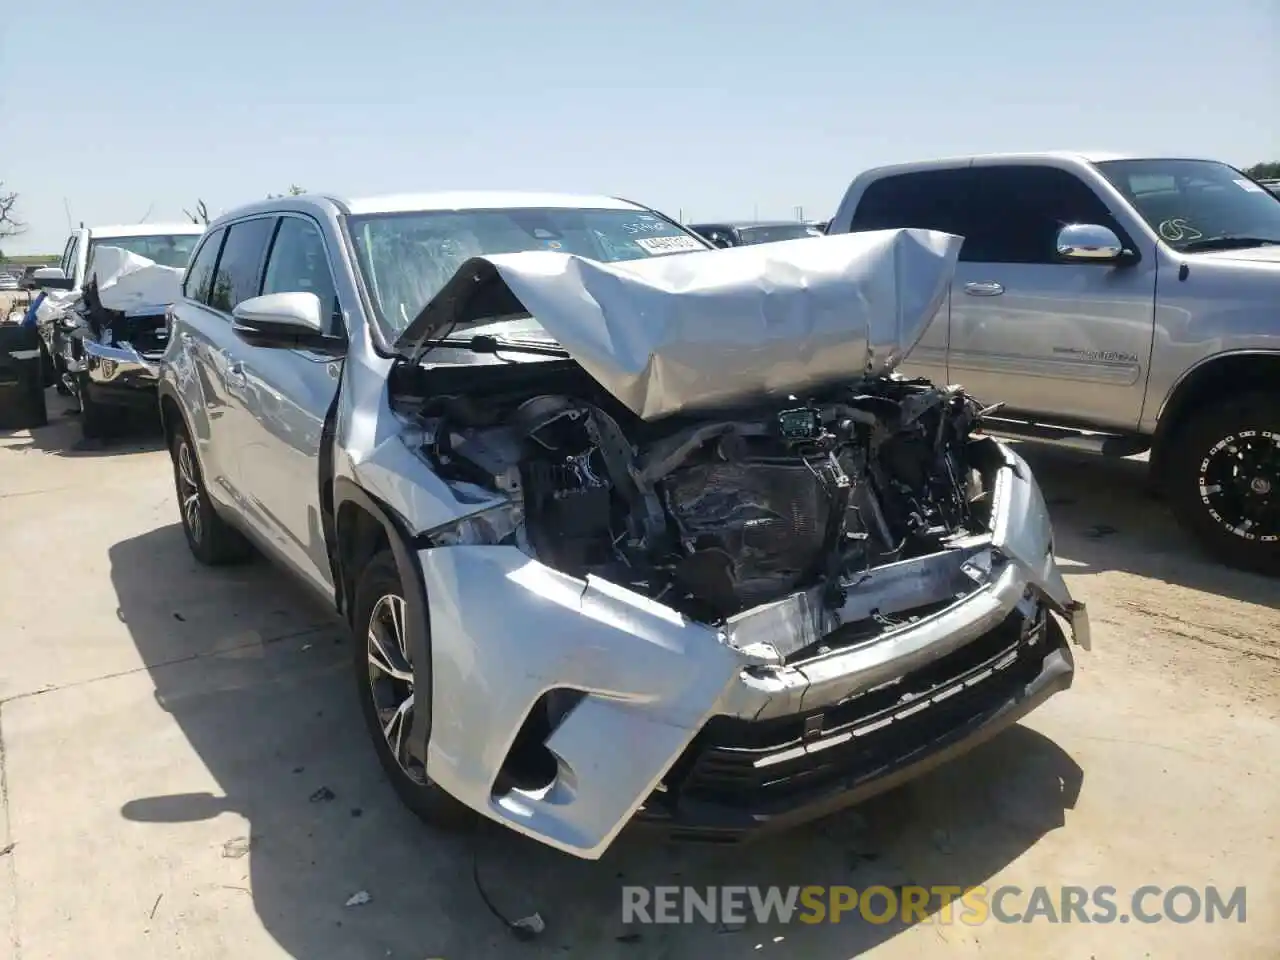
x=199 y=277
x=239 y=273
x=925 y=200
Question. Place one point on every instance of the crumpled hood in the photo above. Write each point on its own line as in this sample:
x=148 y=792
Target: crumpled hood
x=708 y=329
x=128 y=282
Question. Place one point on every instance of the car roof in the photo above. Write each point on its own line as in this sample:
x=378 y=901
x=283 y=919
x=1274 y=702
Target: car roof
x=988 y=159
x=147 y=230
x=323 y=203
x=481 y=200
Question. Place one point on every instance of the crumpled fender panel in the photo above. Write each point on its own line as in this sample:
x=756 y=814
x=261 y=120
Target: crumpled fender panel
x=1024 y=533
x=504 y=630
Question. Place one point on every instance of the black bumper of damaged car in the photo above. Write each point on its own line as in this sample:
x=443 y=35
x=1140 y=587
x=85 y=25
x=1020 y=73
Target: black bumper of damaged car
x=741 y=779
x=134 y=394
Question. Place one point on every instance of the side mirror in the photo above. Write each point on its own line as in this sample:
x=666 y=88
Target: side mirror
x=51 y=278
x=291 y=321
x=1089 y=241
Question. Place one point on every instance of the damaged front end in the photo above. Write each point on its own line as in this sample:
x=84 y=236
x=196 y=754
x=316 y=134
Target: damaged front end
x=113 y=338
x=719 y=616
x=118 y=351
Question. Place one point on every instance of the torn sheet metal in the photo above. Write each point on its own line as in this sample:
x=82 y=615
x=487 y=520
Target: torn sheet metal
x=703 y=330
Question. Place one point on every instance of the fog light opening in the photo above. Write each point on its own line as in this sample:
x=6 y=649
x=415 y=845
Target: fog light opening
x=530 y=766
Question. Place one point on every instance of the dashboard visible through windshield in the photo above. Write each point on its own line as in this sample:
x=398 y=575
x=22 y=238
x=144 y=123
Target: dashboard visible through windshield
x=405 y=258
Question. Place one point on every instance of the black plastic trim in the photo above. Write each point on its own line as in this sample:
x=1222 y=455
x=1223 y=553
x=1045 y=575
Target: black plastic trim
x=716 y=823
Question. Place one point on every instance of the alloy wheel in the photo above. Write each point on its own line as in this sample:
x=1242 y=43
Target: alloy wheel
x=189 y=492
x=1240 y=484
x=391 y=680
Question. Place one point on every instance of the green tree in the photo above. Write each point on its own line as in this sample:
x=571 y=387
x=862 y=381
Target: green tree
x=1264 y=171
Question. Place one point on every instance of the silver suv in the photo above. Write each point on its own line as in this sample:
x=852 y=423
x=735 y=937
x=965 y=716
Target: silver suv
x=681 y=549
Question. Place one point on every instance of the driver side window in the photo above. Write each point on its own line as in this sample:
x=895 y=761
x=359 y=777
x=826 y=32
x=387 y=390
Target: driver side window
x=298 y=263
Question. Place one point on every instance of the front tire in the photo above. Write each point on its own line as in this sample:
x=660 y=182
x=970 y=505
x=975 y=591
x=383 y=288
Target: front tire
x=95 y=423
x=1225 y=481
x=386 y=680
x=212 y=540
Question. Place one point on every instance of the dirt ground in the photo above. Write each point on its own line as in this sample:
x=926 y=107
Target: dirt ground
x=184 y=771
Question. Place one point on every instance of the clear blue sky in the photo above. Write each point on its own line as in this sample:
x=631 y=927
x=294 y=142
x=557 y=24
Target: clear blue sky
x=717 y=108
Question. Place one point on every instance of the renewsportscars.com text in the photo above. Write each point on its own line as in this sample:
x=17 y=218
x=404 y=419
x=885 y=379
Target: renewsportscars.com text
x=942 y=904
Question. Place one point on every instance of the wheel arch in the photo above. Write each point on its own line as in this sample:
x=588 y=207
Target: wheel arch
x=170 y=415
x=362 y=526
x=1217 y=378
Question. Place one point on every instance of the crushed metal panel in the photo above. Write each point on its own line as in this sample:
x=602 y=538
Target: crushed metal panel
x=701 y=330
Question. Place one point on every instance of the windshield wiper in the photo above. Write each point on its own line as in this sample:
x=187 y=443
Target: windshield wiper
x=484 y=343
x=1226 y=242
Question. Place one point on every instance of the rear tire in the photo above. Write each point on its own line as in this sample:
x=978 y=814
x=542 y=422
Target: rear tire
x=1224 y=481
x=212 y=540
x=386 y=679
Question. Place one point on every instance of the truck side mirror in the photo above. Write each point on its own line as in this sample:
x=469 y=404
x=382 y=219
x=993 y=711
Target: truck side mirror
x=1089 y=241
x=51 y=278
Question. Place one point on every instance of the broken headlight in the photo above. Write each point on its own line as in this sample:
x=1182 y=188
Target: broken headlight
x=503 y=524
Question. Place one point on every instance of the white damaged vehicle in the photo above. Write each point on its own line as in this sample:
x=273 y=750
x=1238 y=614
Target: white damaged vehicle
x=623 y=531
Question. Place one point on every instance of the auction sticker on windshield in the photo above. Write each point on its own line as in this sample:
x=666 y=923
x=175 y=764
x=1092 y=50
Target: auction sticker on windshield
x=667 y=244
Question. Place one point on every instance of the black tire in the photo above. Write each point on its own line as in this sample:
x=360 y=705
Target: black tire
x=212 y=540
x=59 y=375
x=378 y=591
x=1224 y=481
x=48 y=370
x=38 y=409
x=95 y=419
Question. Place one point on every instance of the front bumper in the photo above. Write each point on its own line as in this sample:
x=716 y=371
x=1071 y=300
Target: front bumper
x=120 y=367
x=663 y=705
x=740 y=780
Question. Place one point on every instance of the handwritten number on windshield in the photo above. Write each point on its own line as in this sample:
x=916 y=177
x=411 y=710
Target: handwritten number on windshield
x=1177 y=230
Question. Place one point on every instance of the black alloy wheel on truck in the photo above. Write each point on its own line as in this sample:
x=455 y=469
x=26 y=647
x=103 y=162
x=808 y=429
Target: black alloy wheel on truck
x=1224 y=480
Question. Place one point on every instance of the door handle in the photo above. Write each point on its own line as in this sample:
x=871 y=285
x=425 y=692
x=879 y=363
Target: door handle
x=984 y=288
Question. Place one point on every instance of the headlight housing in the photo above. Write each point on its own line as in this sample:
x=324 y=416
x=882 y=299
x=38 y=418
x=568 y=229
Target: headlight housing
x=502 y=524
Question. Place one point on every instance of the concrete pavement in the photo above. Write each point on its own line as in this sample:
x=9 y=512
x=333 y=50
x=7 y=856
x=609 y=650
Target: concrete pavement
x=185 y=772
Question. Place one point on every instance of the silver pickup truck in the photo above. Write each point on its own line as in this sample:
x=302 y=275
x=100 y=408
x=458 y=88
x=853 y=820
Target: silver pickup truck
x=1119 y=305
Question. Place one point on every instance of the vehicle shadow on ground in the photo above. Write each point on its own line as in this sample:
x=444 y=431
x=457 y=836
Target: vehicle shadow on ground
x=258 y=678
x=137 y=432
x=1106 y=518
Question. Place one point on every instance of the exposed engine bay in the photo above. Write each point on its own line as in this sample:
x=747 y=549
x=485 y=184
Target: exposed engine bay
x=716 y=514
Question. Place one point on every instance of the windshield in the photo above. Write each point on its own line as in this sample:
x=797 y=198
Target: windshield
x=166 y=249
x=406 y=258
x=776 y=232
x=1193 y=204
